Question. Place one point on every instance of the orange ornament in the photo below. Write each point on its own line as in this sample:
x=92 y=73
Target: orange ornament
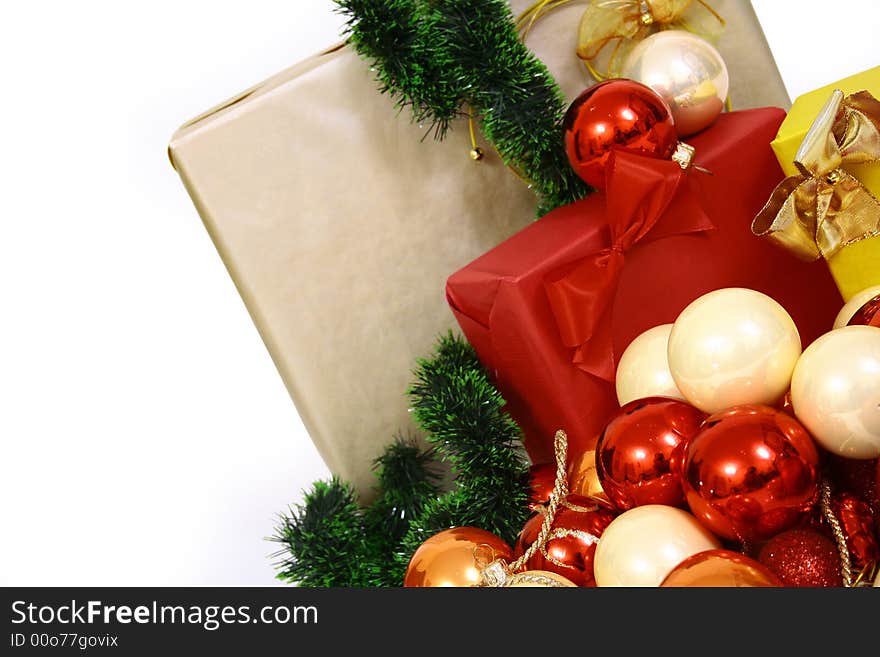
x=720 y=568
x=583 y=479
x=449 y=558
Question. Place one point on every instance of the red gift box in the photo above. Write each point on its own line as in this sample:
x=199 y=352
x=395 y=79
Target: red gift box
x=550 y=310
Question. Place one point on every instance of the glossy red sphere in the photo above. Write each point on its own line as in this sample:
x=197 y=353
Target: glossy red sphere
x=572 y=543
x=867 y=315
x=639 y=453
x=542 y=478
x=750 y=473
x=616 y=115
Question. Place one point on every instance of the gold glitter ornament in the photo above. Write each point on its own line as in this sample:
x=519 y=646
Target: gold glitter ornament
x=538 y=578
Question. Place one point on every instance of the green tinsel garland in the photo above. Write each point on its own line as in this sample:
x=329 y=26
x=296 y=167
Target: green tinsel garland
x=461 y=412
x=440 y=56
x=329 y=541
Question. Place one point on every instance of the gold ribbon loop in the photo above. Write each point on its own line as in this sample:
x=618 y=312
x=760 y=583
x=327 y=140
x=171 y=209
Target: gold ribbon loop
x=825 y=208
x=858 y=134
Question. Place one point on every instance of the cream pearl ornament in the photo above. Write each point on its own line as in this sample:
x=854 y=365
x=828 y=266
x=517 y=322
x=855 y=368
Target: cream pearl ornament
x=686 y=71
x=641 y=546
x=733 y=346
x=846 y=313
x=643 y=370
x=835 y=391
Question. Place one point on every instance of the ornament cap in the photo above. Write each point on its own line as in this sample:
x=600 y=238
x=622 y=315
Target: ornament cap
x=683 y=155
x=494 y=574
x=646 y=16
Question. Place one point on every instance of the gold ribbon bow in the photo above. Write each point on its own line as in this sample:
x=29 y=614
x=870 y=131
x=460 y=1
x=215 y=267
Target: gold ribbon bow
x=626 y=22
x=825 y=208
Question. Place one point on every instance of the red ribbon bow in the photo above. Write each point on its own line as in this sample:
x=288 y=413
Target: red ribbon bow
x=638 y=192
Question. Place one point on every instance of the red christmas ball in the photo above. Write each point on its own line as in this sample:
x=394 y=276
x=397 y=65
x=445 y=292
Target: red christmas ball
x=542 y=478
x=867 y=315
x=572 y=542
x=857 y=522
x=750 y=473
x=639 y=453
x=858 y=476
x=616 y=115
x=802 y=557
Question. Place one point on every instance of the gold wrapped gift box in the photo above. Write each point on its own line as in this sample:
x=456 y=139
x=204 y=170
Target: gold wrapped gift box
x=339 y=222
x=339 y=225
x=857 y=266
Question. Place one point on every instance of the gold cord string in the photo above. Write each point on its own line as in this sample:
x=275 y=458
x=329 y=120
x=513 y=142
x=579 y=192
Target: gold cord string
x=712 y=11
x=584 y=537
x=557 y=498
x=497 y=572
x=530 y=16
x=568 y=504
x=867 y=575
x=837 y=530
x=527 y=19
x=476 y=151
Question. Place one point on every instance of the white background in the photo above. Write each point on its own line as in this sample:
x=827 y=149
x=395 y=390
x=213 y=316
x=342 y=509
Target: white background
x=147 y=438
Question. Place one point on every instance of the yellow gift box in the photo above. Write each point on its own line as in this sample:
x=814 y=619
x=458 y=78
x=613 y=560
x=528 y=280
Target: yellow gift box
x=857 y=265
